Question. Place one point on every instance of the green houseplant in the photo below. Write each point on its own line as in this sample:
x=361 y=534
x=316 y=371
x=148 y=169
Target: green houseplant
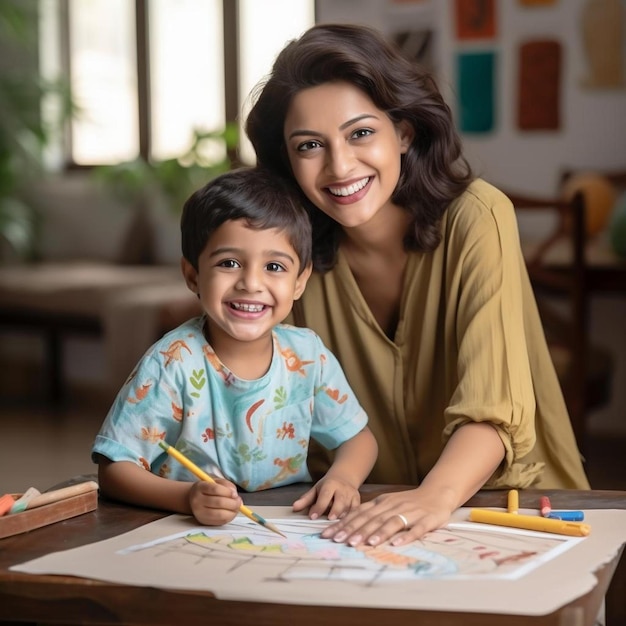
x=157 y=190
x=24 y=132
x=174 y=179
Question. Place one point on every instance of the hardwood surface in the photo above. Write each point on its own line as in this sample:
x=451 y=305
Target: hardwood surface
x=70 y=600
x=32 y=435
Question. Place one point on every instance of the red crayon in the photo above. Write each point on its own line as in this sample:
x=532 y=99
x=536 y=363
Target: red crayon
x=545 y=506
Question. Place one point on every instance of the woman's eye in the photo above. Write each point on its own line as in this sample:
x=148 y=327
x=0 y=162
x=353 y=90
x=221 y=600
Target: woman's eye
x=362 y=132
x=228 y=263
x=274 y=267
x=308 y=145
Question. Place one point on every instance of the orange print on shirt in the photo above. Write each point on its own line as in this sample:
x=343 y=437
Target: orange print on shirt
x=293 y=362
x=152 y=434
x=217 y=365
x=177 y=412
x=334 y=394
x=140 y=393
x=174 y=352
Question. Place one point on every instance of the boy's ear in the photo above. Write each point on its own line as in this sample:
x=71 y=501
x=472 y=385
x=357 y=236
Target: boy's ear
x=406 y=133
x=302 y=280
x=189 y=274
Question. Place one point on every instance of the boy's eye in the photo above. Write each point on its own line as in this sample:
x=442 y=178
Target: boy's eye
x=274 y=267
x=229 y=263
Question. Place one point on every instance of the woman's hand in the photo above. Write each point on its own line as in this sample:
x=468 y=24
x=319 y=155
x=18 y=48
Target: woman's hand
x=214 y=504
x=332 y=494
x=471 y=455
x=402 y=516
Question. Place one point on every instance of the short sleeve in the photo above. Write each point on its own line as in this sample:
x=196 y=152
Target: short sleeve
x=337 y=414
x=144 y=412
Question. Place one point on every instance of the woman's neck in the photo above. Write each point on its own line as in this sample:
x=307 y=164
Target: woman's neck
x=377 y=260
x=382 y=237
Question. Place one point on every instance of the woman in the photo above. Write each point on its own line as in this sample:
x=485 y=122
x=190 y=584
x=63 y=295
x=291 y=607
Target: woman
x=420 y=288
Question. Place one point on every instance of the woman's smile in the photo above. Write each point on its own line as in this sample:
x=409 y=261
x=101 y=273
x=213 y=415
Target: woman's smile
x=344 y=151
x=349 y=193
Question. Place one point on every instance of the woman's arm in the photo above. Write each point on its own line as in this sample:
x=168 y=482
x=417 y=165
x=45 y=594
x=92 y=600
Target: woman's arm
x=339 y=488
x=470 y=457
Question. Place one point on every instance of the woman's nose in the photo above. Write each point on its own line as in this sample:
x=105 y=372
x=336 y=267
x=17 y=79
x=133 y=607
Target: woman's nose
x=339 y=160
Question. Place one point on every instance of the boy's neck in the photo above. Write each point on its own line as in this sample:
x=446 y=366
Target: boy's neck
x=248 y=360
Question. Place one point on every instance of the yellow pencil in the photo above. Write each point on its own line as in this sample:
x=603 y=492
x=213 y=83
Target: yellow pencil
x=513 y=501
x=530 y=522
x=202 y=475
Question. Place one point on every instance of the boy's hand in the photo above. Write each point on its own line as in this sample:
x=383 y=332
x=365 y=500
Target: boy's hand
x=214 y=504
x=332 y=494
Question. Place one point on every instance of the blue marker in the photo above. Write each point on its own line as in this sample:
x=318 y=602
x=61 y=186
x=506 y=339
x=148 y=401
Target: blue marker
x=567 y=516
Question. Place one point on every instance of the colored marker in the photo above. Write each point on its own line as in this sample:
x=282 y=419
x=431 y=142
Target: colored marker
x=22 y=501
x=513 y=501
x=569 y=516
x=529 y=522
x=202 y=475
x=544 y=506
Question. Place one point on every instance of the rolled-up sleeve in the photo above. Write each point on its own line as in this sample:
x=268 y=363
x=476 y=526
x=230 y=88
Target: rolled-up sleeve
x=486 y=324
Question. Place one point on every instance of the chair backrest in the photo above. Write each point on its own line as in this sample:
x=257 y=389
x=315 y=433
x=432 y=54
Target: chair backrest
x=616 y=177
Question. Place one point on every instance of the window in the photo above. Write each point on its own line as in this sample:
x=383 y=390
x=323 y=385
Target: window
x=145 y=74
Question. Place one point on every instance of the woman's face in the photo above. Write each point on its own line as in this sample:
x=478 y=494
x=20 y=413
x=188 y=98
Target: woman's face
x=344 y=151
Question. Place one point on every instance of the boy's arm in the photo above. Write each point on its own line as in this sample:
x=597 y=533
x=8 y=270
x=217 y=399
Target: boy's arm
x=210 y=503
x=338 y=490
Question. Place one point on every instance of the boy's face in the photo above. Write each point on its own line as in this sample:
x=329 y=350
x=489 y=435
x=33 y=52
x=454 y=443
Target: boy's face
x=247 y=281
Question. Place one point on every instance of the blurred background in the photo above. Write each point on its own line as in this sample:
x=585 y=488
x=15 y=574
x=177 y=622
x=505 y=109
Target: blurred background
x=112 y=111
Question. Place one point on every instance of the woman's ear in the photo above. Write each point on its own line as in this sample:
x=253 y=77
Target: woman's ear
x=302 y=280
x=190 y=275
x=406 y=134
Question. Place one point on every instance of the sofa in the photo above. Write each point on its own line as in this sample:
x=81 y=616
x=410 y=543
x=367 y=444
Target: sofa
x=104 y=270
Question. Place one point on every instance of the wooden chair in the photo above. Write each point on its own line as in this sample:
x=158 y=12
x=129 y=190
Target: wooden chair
x=562 y=290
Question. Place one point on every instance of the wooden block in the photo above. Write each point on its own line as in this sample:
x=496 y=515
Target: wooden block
x=22 y=522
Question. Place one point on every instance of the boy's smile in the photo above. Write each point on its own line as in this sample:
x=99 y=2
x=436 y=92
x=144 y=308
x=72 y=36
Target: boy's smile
x=247 y=280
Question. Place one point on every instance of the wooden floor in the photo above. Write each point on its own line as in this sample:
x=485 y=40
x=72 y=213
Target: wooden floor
x=41 y=447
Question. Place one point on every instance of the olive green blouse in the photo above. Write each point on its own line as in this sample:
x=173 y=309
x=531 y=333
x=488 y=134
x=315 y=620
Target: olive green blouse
x=469 y=346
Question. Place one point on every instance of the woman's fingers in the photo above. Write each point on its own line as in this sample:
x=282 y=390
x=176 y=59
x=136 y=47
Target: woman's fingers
x=374 y=531
x=395 y=517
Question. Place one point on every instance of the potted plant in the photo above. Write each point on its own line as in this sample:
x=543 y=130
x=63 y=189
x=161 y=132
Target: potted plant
x=158 y=189
x=23 y=130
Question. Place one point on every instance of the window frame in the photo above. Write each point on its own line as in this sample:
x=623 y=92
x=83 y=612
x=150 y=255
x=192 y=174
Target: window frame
x=230 y=12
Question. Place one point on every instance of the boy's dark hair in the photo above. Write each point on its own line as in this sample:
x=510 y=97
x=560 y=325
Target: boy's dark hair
x=433 y=171
x=250 y=193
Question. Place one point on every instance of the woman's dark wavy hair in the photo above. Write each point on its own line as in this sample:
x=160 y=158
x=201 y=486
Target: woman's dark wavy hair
x=433 y=171
x=259 y=197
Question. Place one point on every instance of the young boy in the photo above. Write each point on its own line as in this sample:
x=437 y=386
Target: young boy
x=236 y=391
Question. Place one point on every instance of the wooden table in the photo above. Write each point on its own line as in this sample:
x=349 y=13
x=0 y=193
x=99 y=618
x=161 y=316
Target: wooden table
x=38 y=599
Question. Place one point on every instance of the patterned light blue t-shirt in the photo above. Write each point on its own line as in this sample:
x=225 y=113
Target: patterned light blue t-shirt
x=253 y=432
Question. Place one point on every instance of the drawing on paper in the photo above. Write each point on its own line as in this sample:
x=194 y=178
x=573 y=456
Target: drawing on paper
x=458 y=551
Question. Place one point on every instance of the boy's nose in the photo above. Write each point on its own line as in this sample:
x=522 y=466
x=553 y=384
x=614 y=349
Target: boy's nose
x=249 y=280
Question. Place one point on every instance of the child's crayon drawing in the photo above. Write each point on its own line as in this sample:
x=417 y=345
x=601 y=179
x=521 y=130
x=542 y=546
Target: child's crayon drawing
x=461 y=550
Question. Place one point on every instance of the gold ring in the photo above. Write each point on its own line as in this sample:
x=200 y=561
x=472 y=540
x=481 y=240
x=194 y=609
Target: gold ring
x=405 y=521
